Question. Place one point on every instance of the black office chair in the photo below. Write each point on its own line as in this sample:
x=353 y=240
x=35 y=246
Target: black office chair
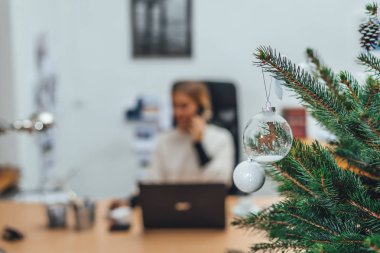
x=225 y=114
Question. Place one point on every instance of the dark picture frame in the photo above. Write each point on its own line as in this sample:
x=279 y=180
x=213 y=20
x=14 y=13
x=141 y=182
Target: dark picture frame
x=161 y=28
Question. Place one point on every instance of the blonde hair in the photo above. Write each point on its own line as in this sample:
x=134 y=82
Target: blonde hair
x=198 y=92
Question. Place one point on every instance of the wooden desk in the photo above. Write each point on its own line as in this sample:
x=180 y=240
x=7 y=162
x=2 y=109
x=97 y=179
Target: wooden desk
x=31 y=219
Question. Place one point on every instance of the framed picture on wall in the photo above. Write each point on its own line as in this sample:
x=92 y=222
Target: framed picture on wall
x=161 y=28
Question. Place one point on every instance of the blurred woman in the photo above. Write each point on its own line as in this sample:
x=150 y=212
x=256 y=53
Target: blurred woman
x=194 y=151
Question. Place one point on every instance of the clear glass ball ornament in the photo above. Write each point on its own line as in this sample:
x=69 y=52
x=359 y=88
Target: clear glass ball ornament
x=249 y=176
x=267 y=137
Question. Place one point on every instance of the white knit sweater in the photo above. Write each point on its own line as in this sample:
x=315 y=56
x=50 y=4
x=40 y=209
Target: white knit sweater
x=175 y=159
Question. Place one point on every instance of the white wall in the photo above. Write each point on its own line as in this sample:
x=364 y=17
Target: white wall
x=8 y=143
x=91 y=43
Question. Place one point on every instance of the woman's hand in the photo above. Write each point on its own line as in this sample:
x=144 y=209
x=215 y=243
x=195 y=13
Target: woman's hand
x=197 y=128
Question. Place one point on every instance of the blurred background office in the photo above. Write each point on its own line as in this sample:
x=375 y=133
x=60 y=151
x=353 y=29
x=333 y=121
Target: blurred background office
x=108 y=81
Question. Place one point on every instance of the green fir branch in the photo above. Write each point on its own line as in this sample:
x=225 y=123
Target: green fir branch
x=370 y=93
x=342 y=116
x=373 y=242
x=306 y=86
x=371 y=9
x=293 y=180
x=282 y=247
x=371 y=63
x=323 y=72
x=351 y=84
x=331 y=204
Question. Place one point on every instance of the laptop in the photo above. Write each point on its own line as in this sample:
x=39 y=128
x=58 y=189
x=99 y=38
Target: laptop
x=183 y=205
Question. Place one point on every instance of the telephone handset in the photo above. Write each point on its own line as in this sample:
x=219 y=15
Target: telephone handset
x=201 y=111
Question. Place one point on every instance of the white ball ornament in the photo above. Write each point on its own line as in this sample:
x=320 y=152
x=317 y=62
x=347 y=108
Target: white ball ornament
x=249 y=176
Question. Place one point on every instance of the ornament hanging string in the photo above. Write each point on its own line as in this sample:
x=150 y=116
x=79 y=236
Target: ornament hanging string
x=267 y=91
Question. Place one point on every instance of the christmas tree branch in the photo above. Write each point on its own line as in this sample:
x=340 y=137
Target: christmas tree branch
x=371 y=95
x=374 y=130
x=364 y=209
x=357 y=158
x=374 y=243
x=304 y=168
x=324 y=72
x=371 y=62
x=352 y=160
x=338 y=114
x=370 y=91
x=364 y=173
x=323 y=185
x=259 y=220
x=287 y=221
x=277 y=247
x=312 y=223
x=346 y=164
x=343 y=241
x=371 y=9
x=287 y=176
x=327 y=165
x=351 y=84
x=305 y=85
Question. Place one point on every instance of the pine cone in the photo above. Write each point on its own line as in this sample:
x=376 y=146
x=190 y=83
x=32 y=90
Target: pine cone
x=370 y=35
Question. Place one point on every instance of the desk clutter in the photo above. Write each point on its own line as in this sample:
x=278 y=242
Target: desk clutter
x=71 y=216
x=83 y=211
x=12 y=234
x=31 y=220
x=120 y=215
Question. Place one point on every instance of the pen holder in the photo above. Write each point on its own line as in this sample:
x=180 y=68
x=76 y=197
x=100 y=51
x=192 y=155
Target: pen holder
x=56 y=214
x=84 y=215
